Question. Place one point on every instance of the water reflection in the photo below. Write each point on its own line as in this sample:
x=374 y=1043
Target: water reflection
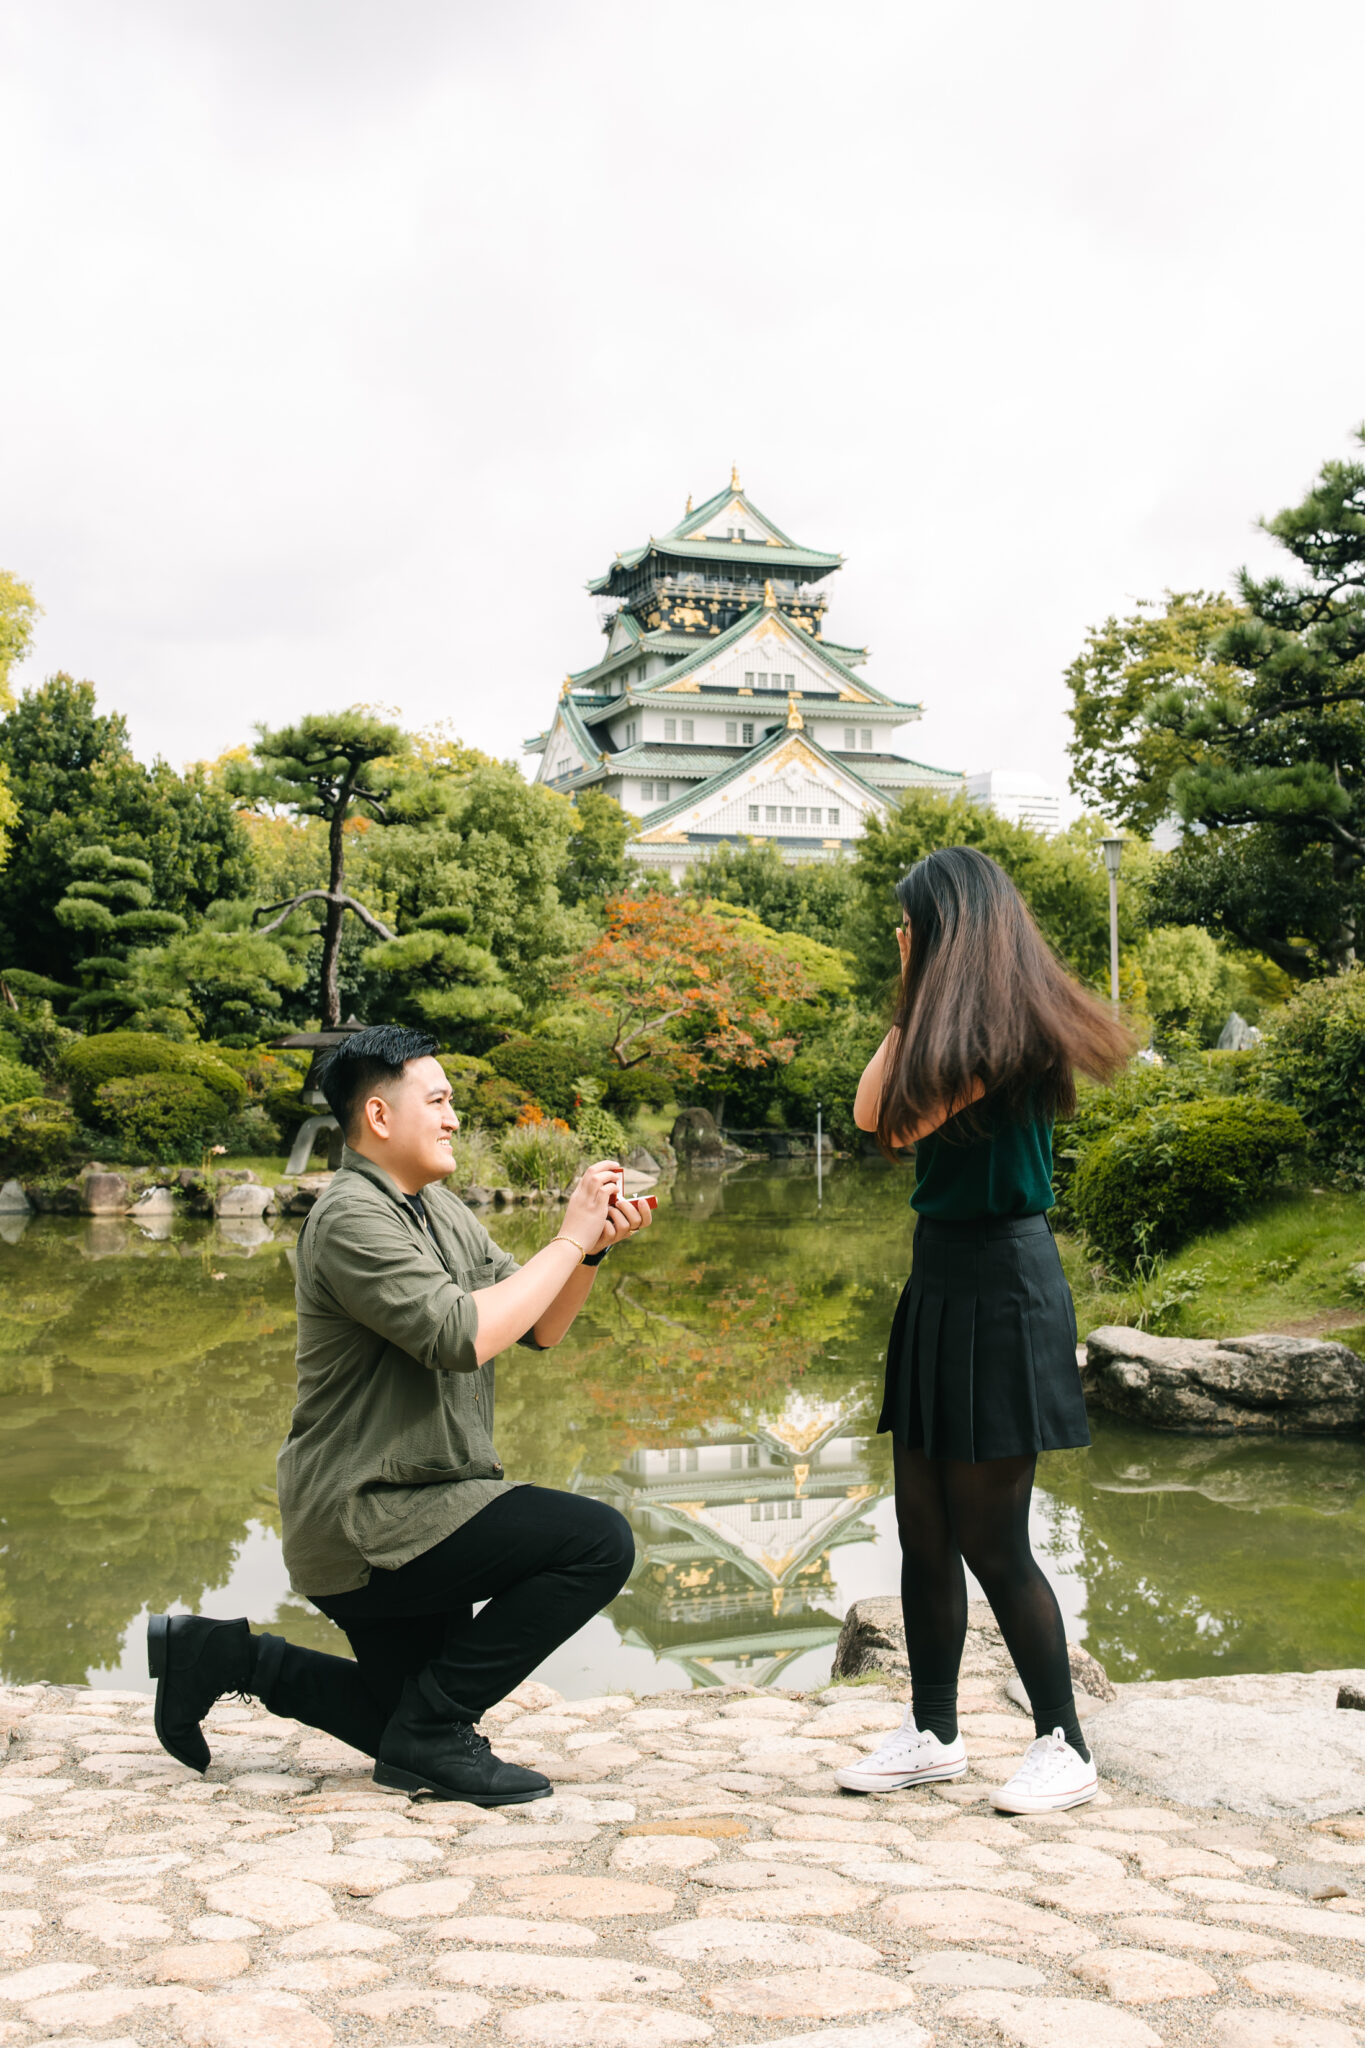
x=720 y=1390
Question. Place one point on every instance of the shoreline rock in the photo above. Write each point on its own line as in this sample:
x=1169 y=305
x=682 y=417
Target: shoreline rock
x=1225 y=1386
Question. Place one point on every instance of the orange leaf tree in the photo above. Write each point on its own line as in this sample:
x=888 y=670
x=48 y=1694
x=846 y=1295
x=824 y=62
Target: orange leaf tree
x=682 y=986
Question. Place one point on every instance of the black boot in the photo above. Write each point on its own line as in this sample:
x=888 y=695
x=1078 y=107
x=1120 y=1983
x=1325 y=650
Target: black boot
x=194 y=1661
x=431 y=1744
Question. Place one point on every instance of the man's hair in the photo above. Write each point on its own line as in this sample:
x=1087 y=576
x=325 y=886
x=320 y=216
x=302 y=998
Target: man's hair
x=364 y=1063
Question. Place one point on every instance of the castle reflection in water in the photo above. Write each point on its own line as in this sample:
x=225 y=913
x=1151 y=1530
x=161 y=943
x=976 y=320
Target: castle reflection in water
x=736 y=1527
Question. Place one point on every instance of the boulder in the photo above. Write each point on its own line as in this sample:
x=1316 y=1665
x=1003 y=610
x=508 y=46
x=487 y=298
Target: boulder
x=642 y=1161
x=243 y=1200
x=1225 y=1386
x=104 y=1194
x=296 y=1197
x=1270 y=1745
x=698 y=1143
x=873 y=1639
x=13 y=1200
x=476 y=1197
x=154 y=1202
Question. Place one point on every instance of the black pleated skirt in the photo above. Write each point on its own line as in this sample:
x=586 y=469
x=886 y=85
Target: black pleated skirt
x=981 y=1361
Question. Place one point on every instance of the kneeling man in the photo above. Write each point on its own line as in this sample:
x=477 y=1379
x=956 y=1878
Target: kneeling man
x=397 y=1514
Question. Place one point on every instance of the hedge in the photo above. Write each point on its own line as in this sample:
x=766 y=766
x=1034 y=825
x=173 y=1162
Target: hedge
x=169 y=1116
x=479 y=1094
x=1169 y=1173
x=121 y=1055
x=36 y=1135
x=545 y=1069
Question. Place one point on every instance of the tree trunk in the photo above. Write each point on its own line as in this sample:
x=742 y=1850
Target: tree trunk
x=331 y=930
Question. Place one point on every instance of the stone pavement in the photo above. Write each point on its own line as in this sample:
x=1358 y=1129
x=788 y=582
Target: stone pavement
x=697 y=1877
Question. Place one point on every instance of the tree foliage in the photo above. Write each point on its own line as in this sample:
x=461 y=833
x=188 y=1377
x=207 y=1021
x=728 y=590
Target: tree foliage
x=597 y=867
x=682 y=985
x=812 y=898
x=19 y=613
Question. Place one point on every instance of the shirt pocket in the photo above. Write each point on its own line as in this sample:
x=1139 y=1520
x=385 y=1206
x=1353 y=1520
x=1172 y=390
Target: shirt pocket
x=474 y=1275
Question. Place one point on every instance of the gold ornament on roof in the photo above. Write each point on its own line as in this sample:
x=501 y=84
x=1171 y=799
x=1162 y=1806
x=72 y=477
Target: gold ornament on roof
x=566 y=686
x=735 y=484
x=795 y=722
x=769 y=595
x=688 y=507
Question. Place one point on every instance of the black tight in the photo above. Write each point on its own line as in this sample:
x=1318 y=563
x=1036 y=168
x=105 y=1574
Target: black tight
x=950 y=1513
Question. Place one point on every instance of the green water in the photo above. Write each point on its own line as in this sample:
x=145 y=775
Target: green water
x=721 y=1389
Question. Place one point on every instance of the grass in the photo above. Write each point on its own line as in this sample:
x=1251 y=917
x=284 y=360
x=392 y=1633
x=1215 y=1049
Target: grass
x=1286 y=1268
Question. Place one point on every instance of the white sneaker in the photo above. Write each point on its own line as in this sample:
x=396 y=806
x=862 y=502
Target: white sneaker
x=1051 y=1777
x=912 y=1756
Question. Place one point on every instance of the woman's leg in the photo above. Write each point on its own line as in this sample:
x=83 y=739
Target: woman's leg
x=988 y=1508
x=933 y=1591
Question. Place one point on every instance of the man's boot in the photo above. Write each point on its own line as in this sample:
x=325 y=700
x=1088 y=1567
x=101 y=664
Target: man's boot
x=431 y=1745
x=194 y=1661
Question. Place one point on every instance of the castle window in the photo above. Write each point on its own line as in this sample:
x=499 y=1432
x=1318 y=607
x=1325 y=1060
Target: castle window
x=770 y=814
x=731 y=733
x=786 y=814
x=801 y=814
x=661 y=791
x=790 y=682
x=748 y=679
x=762 y=679
x=748 y=735
x=833 y=817
x=866 y=737
x=670 y=728
x=687 y=729
x=850 y=739
x=646 y=792
x=630 y=733
x=753 y=814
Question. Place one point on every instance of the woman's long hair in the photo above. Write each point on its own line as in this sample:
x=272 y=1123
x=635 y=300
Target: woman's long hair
x=984 y=998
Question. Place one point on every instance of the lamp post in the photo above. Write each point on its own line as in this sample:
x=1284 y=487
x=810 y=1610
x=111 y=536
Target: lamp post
x=1113 y=854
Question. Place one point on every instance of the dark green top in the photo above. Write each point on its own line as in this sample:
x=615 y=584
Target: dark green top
x=1007 y=1173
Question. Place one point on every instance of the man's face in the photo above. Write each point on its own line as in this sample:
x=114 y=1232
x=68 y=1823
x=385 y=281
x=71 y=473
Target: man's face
x=417 y=1123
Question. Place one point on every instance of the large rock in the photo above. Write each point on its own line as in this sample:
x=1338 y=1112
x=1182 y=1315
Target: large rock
x=243 y=1200
x=13 y=1200
x=1276 y=1746
x=1226 y=1386
x=873 y=1639
x=104 y=1194
x=698 y=1143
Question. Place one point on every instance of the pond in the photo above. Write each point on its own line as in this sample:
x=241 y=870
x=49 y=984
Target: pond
x=721 y=1389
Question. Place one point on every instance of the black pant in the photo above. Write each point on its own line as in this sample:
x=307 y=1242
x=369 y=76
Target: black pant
x=544 y=1562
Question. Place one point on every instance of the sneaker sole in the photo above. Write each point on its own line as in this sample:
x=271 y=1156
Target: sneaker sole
x=865 y=1781
x=158 y=1665
x=408 y=1781
x=1045 y=1805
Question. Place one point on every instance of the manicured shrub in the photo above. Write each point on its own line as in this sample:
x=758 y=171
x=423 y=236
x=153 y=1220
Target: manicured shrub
x=1314 y=1059
x=542 y=1155
x=545 y=1069
x=601 y=1134
x=36 y=1135
x=165 y=1116
x=1189 y=1166
x=253 y=1131
x=89 y=1063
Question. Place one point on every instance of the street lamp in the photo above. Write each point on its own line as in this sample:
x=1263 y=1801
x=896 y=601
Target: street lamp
x=1113 y=854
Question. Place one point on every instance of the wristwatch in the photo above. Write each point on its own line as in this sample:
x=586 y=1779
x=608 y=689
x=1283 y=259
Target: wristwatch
x=596 y=1258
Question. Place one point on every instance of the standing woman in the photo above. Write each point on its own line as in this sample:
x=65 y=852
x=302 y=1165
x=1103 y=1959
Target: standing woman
x=981 y=1368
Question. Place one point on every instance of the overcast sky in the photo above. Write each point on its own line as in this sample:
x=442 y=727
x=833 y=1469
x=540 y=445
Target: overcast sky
x=344 y=341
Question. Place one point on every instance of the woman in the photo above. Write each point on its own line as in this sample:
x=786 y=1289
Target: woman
x=981 y=1368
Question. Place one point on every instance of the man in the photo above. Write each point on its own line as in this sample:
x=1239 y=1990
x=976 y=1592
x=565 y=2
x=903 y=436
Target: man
x=397 y=1513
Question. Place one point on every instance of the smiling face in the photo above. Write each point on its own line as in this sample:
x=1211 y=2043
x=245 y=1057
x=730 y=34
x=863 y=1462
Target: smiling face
x=407 y=1128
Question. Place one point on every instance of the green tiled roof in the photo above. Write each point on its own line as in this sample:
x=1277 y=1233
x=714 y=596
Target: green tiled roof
x=820 y=649
x=703 y=512
x=778 y=560
x=651 y=758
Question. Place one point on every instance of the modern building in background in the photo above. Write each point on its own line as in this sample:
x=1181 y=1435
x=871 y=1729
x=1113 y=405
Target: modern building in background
x=720 y=713
x=1022 y=798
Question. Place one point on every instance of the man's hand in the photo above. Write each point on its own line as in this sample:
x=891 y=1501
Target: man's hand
x=623 y=1220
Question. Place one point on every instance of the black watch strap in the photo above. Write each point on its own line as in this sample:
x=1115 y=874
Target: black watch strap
x=596 y=1258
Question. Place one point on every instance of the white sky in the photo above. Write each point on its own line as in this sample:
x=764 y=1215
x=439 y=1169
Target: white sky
x=343 y=340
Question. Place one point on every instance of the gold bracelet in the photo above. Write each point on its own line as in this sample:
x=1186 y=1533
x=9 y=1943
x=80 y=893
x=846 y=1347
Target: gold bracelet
x=564 y=1238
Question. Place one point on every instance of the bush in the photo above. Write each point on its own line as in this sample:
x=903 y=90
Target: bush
x=36 y=1135
x=18 y=1083
x=602 y=1136
x=1190 y=1166
x=167 y=1117
x=545 y=1069
x=476 y=1158
x=480 y=1094
x=123 y=1055
x=1314 y=1060
x=253 y=1132
x=542 y=1155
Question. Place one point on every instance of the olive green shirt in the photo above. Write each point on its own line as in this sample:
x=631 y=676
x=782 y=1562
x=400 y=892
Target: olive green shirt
x=391 y=1444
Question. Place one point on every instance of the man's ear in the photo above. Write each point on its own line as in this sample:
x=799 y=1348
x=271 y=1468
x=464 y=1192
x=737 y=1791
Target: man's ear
x=375 y=1117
